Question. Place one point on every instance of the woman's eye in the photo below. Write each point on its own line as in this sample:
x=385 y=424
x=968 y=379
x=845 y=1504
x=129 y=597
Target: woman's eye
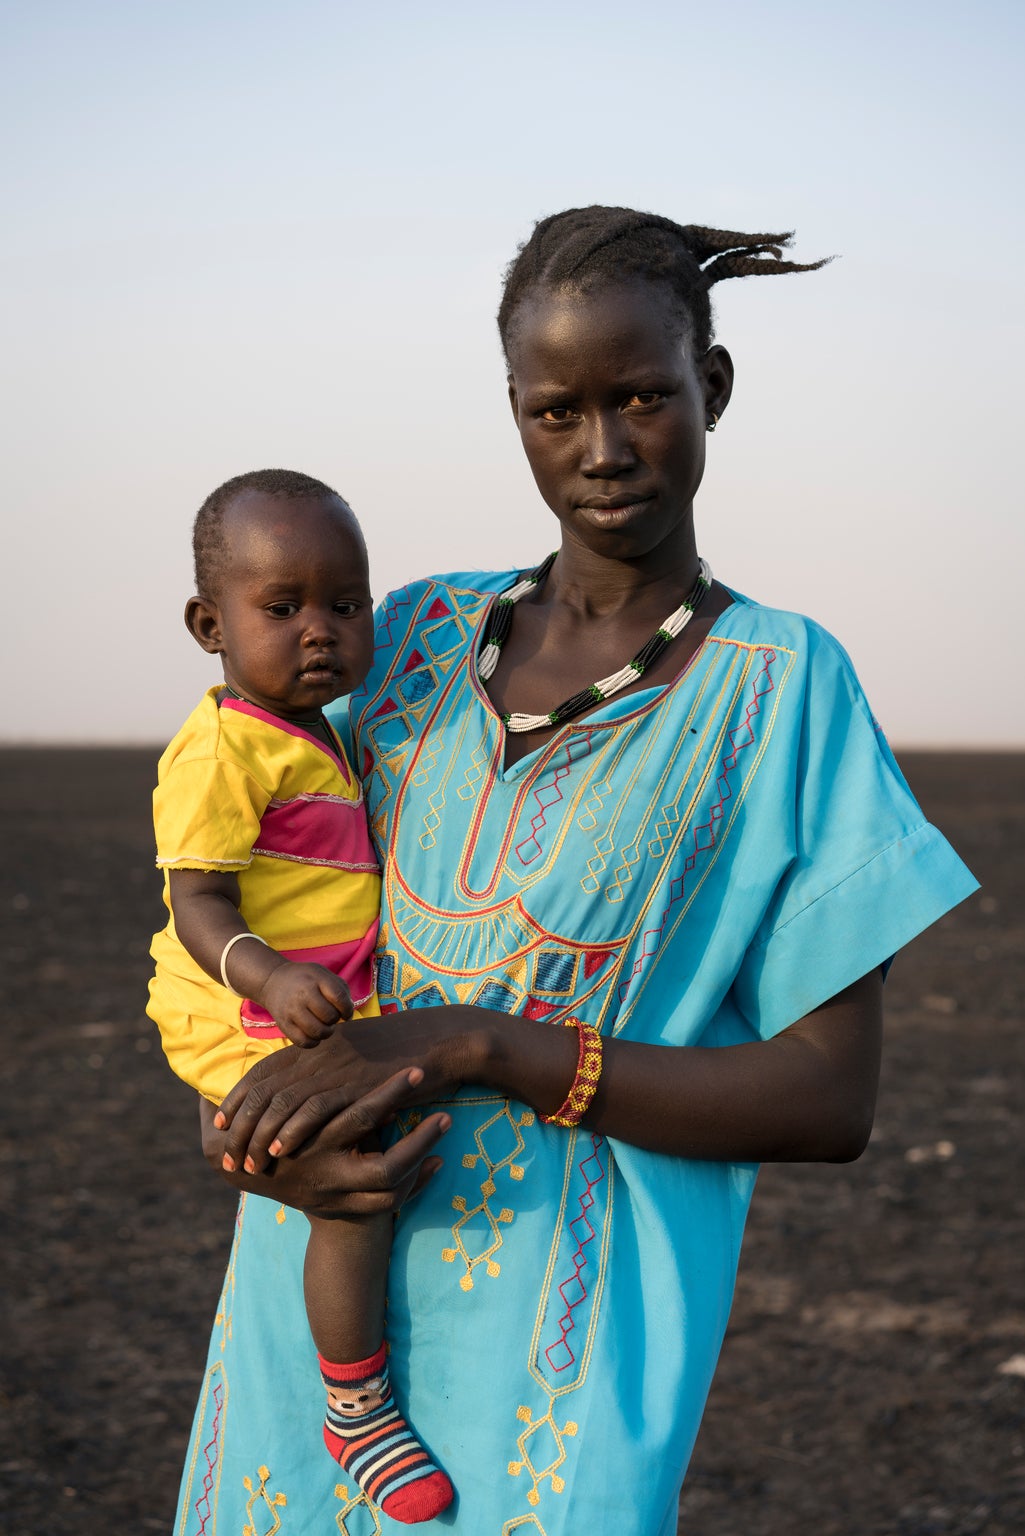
x=556 y=413
x=645 y=397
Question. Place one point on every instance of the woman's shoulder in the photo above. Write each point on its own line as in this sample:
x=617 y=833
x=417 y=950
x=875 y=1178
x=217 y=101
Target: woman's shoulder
x=760 y=624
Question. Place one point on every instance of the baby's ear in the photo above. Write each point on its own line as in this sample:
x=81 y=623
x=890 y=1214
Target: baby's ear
x=203 y=622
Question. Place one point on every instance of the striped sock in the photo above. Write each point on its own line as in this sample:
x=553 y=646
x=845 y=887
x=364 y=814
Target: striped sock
x=369 y=1438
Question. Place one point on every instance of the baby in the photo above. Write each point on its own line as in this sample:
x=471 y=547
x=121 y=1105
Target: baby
x=273 y=889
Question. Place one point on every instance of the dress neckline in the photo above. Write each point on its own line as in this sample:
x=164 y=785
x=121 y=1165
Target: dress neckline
x=605 y=715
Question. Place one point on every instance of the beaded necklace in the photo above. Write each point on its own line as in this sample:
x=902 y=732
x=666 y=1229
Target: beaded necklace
x=500 y=622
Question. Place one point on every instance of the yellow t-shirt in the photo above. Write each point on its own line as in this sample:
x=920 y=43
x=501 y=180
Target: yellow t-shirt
x=240 y=790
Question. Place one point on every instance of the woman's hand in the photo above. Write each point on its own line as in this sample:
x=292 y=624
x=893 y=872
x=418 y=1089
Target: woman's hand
x=292 y=1095
x=330 y=1180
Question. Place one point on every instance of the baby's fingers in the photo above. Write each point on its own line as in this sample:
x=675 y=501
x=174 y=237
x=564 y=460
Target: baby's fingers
x=333 y=988
x=306 y=1032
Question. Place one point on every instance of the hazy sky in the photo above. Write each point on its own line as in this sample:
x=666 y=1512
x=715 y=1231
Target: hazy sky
x=250 y=234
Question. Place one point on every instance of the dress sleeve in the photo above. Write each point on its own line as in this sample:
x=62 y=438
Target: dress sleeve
x=868 y=871
x=206 y=814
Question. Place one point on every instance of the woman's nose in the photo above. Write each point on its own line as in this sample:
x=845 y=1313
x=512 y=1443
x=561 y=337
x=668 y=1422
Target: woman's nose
x=607 y=447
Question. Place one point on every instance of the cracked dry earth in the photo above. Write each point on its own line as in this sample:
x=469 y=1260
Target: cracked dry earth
x=873 y=1379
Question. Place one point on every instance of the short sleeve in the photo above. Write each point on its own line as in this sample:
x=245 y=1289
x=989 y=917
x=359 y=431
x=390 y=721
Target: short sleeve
x=868 y=874
x=206 y=814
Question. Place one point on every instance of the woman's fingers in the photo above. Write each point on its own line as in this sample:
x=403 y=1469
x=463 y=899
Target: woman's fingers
x=270 y=1066
x=349 y=1123
x=361 y=1183
x=276 y=1123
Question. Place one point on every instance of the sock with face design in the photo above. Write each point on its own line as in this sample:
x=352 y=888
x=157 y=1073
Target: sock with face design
x=370 y=1440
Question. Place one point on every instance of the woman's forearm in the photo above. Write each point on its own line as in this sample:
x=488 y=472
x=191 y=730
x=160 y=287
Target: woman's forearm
x=806 y=1095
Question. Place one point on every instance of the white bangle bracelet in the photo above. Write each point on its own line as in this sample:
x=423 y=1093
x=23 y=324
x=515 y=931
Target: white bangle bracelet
x=226 y=951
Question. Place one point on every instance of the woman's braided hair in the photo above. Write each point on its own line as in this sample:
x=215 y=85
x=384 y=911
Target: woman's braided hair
x=586 y=248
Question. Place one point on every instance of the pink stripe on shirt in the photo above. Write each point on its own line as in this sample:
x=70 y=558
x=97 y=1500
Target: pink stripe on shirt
x=317 y=829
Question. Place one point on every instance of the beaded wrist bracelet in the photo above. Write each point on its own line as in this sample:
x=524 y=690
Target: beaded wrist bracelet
x=582 y=1090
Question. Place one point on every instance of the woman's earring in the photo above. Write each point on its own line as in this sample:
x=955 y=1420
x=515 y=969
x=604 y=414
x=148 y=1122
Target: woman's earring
x=713 y=423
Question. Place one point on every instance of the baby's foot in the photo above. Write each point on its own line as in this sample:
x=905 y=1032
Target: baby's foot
x=369 y=1438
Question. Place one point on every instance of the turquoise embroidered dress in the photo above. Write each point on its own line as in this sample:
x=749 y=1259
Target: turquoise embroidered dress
x=701 y=864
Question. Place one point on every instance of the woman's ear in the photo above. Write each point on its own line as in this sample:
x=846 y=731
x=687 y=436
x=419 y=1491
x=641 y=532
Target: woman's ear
x=514 y=401
x=717 y=368
x=203 y=622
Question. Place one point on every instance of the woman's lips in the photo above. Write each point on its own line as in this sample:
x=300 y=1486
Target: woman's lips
x=614 y=514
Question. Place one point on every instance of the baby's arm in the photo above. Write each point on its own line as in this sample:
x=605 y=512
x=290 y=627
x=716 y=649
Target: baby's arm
x=304 y=1000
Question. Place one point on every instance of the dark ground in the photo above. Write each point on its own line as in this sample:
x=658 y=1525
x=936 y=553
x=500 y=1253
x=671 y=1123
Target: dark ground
x=873 y=1380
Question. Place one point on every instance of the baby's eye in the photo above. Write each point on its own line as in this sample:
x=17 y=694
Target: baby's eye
x=282 y=610
x=347 y=608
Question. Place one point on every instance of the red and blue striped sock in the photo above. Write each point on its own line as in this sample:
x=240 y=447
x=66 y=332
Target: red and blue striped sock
x=367 y=1435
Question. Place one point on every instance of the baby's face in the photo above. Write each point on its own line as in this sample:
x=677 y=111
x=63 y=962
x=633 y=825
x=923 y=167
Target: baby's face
x=351 y=1402
x=295 y=615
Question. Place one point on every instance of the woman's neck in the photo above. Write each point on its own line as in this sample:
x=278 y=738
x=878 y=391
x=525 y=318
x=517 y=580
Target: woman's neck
x=594 y=586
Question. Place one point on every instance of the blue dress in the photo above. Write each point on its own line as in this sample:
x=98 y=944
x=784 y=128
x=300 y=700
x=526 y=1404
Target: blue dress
x=697 y=864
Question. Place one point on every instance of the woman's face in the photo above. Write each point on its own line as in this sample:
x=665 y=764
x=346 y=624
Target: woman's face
x=613 y=409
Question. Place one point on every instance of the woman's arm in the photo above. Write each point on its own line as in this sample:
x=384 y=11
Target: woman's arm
x=806 y=1095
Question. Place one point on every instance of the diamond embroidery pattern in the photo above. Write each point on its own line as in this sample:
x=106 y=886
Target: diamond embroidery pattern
x=262 y=1506
x=479 y=1225
x=542 y=1438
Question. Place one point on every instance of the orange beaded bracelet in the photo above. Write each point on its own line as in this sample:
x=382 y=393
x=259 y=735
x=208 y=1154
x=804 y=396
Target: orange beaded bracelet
x=582 y=1090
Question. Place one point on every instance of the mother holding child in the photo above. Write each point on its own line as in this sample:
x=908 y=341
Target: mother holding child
x=644 y=854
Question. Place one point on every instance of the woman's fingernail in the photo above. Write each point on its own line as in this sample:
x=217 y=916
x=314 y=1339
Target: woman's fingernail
x=275 y=1148
x=219 y=1121
x=249 y=1165
x=228 y=1163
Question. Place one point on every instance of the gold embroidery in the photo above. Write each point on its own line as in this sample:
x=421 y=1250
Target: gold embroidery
x=409 y=977
x=206 y=1449
x=528 y=1462
x=271 y=1504
x=492 y=1165
x=223 y=1315
x=358 y=1500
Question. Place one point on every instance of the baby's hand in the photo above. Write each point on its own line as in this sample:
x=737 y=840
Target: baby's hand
x=305 y=1001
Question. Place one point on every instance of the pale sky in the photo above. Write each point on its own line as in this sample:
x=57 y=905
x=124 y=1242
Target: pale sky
x=241 y=235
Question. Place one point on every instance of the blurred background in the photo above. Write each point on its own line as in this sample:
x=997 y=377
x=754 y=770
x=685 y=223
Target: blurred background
x=243 y=235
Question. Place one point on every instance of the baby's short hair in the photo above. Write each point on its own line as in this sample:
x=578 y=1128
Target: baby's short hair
x=209 y=546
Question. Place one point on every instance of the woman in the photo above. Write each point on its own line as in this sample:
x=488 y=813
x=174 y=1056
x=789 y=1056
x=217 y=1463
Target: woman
x=620 y=797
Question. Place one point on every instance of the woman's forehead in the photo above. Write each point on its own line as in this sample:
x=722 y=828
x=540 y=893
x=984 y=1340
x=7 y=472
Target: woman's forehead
x=630 y=316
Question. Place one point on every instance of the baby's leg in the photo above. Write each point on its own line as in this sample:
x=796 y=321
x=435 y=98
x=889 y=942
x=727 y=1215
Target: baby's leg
x=345 y=1280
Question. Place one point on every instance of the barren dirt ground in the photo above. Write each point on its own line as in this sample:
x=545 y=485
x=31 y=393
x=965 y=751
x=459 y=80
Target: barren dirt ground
x=873 y=1379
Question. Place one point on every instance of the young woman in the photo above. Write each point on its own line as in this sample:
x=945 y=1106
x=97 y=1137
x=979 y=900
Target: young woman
x=646 y=856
